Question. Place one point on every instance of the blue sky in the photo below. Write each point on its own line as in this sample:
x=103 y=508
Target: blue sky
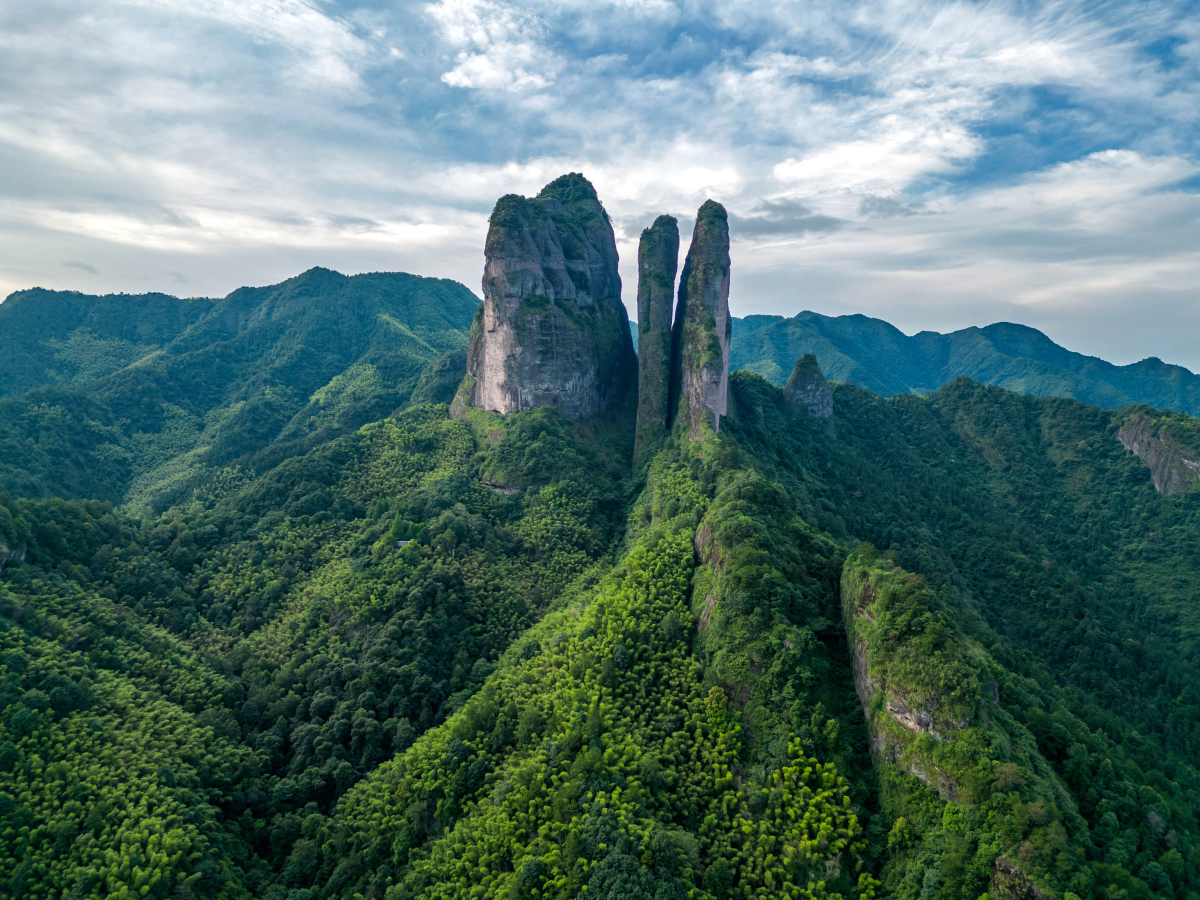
x=935 y=164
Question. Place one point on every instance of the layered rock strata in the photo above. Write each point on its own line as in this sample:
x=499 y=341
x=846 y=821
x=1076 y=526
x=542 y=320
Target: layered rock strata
x=1171 y=470
x=658 y=261
x=552 y=330
x=700 y=338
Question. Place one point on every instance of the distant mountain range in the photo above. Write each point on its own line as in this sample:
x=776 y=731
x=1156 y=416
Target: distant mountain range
x=139 y=398
x=879 y=357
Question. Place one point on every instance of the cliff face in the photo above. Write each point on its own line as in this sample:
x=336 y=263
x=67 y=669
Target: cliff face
x=897 y=713
x=14 y=555
x=553 y=330
x=1171 y=470
x=808 y=390
x=658 y=261
x=700 y=339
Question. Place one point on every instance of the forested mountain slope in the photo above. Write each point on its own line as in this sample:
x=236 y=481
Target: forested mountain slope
x=652 y=684
x=184 y=698
x=881 y=358
x=64 y=337
x=142 y=406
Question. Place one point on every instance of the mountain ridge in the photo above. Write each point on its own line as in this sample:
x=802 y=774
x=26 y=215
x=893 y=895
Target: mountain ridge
x=271 y=369
x=345 y=641
x=878 y=356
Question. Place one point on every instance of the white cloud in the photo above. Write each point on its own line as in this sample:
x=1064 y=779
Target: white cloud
x=229 y=141
x=329 y=52
x=501 y=47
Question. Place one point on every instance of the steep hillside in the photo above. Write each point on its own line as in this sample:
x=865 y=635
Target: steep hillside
x=343 y=603
x=149 y=404
x=64 y=337
x=183 y=699
x=880 y=358
x=561 y=682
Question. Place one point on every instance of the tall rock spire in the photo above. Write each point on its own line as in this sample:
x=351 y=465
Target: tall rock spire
x=808 y=391
x=553 y=330
x=700 y=339
x=658 y=261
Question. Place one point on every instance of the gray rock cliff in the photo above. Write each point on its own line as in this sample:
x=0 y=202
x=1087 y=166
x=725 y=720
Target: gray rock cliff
x=658 y=261
x=1171 y=469
x=808 y=390
x=552 y=330
x=702 y=329
x=13 y=555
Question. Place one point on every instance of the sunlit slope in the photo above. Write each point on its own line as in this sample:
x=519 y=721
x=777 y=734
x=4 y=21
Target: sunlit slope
x=613 y=753
x=272 y=370
x=244 y=660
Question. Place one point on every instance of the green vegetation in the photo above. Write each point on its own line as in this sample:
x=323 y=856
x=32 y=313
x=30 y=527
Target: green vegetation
x=142 y=399
x=64 y=337
x=876 y=356
x=355 y=648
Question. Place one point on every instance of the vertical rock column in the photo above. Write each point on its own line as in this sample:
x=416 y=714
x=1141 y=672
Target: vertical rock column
x=700 y=339
x=552 y=330
x=808 y=390
x=658 y=261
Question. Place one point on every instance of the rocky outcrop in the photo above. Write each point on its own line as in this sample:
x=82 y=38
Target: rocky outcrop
x=552 y=330
x=1010 y=883
x=658 y=261
x=13 y=555
x=808 y=390
x=894 y=720
x=1171 y=469
x=702 y=329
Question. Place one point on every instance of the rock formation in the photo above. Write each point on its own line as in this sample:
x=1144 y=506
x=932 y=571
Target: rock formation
x=897 y=713
x=552 y=329
x=658 y=260
x=700 y=338
x=15 y=555
x=1171 y=469
x=808 y=391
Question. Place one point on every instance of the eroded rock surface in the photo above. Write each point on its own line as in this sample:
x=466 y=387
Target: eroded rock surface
x=11 y=555
x=552 y=330
x=1171 y=470
x=892 y=724
x=702 y=329
x=658 y=261
x=808 y=390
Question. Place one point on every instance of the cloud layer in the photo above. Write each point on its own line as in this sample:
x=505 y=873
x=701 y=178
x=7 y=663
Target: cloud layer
x=935 y=164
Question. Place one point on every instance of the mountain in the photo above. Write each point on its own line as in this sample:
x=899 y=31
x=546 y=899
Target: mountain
x=551 y=331
x=570 y=677
x=881 y=358
x=339 y=638
x=139 y=399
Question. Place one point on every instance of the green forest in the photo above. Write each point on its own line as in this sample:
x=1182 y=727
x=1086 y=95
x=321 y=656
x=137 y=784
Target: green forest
x=273 y=624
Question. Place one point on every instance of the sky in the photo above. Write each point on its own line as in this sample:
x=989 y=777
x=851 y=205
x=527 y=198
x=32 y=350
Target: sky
x=937 y=165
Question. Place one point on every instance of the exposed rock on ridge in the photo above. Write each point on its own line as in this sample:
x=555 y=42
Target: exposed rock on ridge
x=1171 y=470
x=700 y=338
x=658 y=261
x=552 y=330
x=15 y=555
x=808 y=390
x=894 y=718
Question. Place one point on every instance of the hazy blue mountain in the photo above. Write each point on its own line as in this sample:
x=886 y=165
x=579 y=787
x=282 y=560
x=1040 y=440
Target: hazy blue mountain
x=879 y=357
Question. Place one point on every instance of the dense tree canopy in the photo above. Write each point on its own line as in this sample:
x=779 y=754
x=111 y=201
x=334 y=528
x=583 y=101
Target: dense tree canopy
x=948 y=652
